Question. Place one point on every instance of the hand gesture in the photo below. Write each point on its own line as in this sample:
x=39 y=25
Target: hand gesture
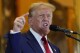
x=19 y=23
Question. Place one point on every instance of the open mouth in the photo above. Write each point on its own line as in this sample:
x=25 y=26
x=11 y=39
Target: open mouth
x=45 y=24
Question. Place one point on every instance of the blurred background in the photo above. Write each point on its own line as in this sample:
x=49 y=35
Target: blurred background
x=67 y=15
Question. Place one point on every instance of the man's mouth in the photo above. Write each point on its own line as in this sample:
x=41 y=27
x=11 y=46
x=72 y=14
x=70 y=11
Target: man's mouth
x=45 y=24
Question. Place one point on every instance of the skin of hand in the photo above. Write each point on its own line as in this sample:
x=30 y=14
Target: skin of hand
x=19 y=23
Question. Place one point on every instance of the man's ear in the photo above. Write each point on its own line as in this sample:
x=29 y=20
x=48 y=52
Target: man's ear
x=30 y=20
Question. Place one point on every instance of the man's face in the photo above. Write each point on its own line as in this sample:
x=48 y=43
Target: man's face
x=41 y=20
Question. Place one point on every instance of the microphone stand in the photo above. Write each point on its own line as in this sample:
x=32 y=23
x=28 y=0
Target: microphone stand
x=69 y=35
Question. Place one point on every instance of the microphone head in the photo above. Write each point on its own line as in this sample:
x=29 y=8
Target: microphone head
x=54 y=28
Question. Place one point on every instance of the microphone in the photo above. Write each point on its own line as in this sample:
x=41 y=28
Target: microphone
x=57 y=28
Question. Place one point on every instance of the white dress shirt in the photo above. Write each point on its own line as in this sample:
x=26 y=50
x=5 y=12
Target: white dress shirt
x=38 y=38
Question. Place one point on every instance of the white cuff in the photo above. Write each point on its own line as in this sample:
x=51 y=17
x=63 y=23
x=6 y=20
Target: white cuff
x=12 y=32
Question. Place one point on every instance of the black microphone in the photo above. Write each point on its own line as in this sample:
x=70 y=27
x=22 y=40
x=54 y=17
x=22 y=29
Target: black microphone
x=57 y=28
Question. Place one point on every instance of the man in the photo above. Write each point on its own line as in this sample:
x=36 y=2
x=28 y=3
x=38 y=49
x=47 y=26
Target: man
x=35 y=40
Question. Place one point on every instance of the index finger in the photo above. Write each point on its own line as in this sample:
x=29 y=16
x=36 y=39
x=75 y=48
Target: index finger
x=25 y=14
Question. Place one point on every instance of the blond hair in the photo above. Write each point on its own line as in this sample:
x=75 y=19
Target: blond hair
x=36 y=5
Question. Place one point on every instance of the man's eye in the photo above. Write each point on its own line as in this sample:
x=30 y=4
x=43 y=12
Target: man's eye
x=48 y=15
x=45 y=15
x=40 y=15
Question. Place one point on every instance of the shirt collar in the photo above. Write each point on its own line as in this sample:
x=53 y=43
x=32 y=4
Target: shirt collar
x=36 y=35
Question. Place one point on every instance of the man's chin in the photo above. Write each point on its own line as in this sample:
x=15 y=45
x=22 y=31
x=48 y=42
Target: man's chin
x=46 y=31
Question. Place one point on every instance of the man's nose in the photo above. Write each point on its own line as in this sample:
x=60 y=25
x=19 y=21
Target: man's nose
x=45 y=17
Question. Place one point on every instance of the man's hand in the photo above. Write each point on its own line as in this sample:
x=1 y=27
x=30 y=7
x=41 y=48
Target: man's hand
x=19 y=23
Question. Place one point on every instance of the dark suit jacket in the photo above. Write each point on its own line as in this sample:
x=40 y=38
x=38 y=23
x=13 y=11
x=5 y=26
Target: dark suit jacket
x=25 y=43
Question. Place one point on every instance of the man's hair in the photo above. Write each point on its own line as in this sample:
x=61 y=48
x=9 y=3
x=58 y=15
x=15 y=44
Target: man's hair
x=37 y=5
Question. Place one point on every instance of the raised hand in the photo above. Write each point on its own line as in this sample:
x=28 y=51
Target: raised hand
x=19 y=23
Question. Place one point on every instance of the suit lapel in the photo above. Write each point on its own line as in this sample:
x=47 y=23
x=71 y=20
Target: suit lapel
x=33 y=43
x=53 y=48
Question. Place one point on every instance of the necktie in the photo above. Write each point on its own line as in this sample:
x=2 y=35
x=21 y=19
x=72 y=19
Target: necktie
x=45 y=43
